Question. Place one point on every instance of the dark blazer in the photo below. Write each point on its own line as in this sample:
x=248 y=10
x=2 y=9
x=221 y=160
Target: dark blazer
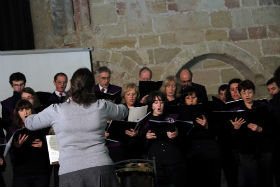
x=43 y=97
x=8 y=106
x=53 y=99
x=112 y=89
x=275 y=111
x=201 y=93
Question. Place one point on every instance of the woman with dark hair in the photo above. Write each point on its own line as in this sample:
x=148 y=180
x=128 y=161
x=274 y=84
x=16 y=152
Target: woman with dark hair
x=252 y=132
x=227 y=144
x=201 y=151
x=232 y=92
x=164 y=146
x=29 y=94
x=28 y=151
x=79 y=124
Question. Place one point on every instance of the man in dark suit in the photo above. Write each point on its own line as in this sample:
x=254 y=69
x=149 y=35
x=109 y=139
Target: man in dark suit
x=60 y=83
x=275 y=104
x=185 y=76
x=17 y=81
x=103 y=77
x=272 y=87
x=58 y=96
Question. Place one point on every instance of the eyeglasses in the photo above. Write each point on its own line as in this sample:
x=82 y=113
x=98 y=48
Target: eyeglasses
x=61 y=83
x=105 y=78
x=18 y=85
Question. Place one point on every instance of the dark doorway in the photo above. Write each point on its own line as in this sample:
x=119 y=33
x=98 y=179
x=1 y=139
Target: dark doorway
x=16 y=31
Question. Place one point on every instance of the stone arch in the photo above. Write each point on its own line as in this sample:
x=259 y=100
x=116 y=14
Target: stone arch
x=241 y=60
x=239 y=65
x=247 y=64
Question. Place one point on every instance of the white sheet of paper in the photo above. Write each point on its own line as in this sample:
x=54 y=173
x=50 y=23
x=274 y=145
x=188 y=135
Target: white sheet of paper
x=137 y=113
x=53 y=148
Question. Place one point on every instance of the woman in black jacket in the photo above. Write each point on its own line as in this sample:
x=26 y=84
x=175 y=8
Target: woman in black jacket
x=201 y=151
x=162 y=144
x=252 y=131
x=29 y=151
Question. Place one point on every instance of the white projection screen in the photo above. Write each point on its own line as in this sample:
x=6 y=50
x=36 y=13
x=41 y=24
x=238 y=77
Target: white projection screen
x=40 y=66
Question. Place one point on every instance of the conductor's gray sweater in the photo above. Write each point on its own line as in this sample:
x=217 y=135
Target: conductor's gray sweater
x=80 y=132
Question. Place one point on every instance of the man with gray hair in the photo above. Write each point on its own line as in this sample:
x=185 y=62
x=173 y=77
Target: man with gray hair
x=104 y=86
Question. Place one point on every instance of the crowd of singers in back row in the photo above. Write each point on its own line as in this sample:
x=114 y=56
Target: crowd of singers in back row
x=233 y=133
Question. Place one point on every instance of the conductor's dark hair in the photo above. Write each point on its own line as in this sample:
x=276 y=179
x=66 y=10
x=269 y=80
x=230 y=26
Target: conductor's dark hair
x=246 y=85
x=103 y=69
x=18 y=76
x=222 y=87
x=145 y=68
x=270 y=81
x=21 y=104
x=82 y=87
x=60 y=74
x=277 y=76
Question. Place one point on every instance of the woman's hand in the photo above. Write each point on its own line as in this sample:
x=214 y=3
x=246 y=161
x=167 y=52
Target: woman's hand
x=21 y=139
x=107 y=134
x=37 y=143
x=172 y=135
x=202 y=121
x=144 y=99
x=237 y=123
x=1 y=161
x=254 y=127
x=150 y=135
x=131 y=132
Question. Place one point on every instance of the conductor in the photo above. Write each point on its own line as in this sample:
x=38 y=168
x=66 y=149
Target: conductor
x=79 y=124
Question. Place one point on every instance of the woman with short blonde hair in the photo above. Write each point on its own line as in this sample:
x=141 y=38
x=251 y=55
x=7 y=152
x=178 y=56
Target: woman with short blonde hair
x=130 y=94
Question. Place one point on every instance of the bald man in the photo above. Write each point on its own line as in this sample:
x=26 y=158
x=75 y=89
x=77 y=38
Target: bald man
x=145 y=74
x=185 y=76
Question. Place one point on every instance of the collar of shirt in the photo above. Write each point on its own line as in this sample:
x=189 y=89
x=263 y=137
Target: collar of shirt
x=57 y=93
x=105 y=89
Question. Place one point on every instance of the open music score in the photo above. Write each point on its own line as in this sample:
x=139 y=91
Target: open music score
x=137 y=117
x=53 y=149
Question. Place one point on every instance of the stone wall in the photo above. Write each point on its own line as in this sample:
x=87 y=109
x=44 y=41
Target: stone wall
x=217 y=39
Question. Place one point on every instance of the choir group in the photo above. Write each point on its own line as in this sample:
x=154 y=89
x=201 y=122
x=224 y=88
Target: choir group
x=193 y=140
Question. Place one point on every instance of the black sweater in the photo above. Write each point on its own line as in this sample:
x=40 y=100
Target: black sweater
x=28 y=160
